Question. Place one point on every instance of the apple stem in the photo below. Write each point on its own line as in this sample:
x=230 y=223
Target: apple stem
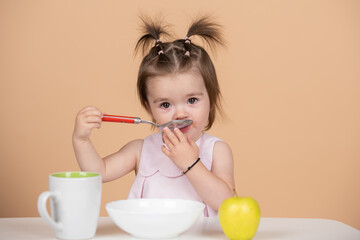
x=235 y=192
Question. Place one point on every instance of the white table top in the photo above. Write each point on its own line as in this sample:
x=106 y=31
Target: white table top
x=205 y=228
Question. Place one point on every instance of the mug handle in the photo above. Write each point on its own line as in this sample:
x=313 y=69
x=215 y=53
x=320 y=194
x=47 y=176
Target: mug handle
x=41 y=204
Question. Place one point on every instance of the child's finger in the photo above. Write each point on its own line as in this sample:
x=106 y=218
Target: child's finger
x=167 y=142
x=180 y=135
x=94 y=125
x=90 y=110
x=87 y=108
x=171 y=136
x=165 y=150
x=93 y=119
x=93 y=112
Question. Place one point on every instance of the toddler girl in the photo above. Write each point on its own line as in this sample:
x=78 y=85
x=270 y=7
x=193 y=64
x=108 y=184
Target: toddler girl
x=176 y=80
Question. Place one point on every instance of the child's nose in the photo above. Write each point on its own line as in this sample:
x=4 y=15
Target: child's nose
x=181 y=113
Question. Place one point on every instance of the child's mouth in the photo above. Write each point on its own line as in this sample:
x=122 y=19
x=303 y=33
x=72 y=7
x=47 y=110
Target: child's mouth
x=185 y=129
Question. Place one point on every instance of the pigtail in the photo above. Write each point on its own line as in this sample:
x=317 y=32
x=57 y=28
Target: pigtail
x=152 y=30
x=208 y=30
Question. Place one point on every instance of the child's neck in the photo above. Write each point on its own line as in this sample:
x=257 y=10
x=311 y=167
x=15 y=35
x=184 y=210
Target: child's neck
x=201 y=134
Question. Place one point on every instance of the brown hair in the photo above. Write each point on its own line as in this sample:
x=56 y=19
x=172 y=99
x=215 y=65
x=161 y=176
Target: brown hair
x=180 y=55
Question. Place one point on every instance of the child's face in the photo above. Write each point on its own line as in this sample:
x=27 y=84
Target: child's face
x=180 y=96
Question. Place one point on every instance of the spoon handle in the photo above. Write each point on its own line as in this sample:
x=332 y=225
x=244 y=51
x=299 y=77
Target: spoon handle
x=121 y=119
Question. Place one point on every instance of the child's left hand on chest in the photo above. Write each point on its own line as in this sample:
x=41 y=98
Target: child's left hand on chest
x=182 y=150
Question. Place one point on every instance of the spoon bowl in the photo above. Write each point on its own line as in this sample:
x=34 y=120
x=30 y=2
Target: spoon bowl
x=181 y=123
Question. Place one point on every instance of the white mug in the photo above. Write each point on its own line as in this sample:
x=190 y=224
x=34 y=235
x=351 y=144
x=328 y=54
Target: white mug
x=75 y=199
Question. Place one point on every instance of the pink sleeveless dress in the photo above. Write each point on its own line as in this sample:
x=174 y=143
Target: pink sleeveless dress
x=159 y=177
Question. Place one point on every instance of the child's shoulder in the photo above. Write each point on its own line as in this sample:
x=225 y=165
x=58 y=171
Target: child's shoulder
x=214 y=139
x=222 y=145
x=219 y=144
x=222 y=154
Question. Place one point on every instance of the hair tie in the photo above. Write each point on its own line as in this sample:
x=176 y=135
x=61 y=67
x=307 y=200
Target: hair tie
x=187 y=46
x=187 y=40
x=159 y=47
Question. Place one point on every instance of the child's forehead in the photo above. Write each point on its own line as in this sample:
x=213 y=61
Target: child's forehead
x=176 y=80
x=175 y=84
x=192 y=74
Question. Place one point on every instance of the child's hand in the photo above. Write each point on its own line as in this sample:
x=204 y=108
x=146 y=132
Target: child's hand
x=182 y=150
x=87 y=119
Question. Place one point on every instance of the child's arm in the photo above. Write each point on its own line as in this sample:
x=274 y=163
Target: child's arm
x=212 y=186
x=112 y=166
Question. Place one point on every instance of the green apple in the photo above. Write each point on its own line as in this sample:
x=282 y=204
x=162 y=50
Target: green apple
x=239 y=217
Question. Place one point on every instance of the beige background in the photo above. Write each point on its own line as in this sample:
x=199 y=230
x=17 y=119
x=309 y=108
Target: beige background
x=290 y=79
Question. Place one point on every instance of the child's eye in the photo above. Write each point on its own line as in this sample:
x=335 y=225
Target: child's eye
x=192 y=100
x=165 y=105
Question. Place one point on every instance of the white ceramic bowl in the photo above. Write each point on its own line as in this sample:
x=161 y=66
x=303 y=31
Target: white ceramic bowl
x=155 y=218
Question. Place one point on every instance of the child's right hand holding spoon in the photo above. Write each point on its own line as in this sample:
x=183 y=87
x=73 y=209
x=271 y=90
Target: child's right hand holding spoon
x=87 y=119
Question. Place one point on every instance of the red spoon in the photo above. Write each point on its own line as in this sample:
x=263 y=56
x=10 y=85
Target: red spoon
x=136 y=120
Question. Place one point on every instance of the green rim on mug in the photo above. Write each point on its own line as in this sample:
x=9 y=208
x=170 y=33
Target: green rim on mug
x=75 y=174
